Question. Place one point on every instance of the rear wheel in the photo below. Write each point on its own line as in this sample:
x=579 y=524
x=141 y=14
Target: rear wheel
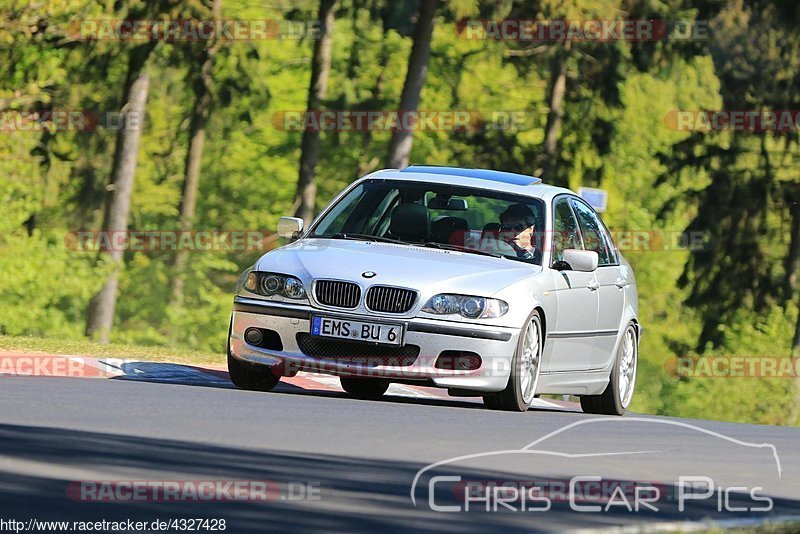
x=525 y=368
x=364 y=388
x=250 y=376
x=619 y=392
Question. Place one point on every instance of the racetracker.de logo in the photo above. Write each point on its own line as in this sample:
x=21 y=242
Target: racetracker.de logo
x=787 y=120
x=426 y=120
x=46 y=365
x=177 y=30
x=734 y=366
x=532 y=30
x=191 y=490
x=170 y=240
x=69 y=120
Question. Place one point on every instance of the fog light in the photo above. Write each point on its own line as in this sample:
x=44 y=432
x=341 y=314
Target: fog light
x=465 y=362
x=253 y=336
x=458 y=360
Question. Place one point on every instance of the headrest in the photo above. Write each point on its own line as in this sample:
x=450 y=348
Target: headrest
x=444 y=226
x=491 y=229
x=411 y=222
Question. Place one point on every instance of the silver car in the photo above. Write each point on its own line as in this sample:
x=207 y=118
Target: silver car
x=485 y=283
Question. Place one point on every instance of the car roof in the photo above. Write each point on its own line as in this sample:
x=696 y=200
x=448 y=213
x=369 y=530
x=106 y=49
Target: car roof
x=505 y=182
x=485 y=174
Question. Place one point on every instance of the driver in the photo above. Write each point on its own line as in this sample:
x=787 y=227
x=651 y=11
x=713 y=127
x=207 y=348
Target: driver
x=516 y=228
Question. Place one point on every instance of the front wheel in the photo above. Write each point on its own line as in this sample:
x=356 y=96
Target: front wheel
x=525 y=368
x=249 y=376
x=364 y=388
x=619 y=392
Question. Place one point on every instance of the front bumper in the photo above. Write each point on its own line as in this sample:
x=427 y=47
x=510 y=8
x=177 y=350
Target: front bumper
x=495 y=345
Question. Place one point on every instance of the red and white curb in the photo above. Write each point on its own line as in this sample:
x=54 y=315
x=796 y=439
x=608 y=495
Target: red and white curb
x=35 y=364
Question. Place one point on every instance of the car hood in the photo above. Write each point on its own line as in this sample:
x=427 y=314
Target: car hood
x=429 y=270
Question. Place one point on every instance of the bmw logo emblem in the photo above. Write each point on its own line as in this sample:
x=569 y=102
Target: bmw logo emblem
x=368 y=274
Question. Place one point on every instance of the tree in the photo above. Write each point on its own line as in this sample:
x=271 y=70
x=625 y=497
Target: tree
x=375 y=99
x=792 y=262
x=201 y=109
x=402 y=140
x=597 y=63
x=556 y=91
x=737 y=210
x=100 y=317
x=306 y=195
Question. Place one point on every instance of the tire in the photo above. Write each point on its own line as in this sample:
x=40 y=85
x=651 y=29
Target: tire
x=364 y=388
x=491 y=401
x=249 y=376
x=613 y=401
x=525 y=370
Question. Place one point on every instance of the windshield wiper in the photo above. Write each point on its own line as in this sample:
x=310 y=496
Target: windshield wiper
x=458 y=248
x=364 y=237
x=428 y=244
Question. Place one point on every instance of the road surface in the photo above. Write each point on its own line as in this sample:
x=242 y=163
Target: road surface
x=336 y=463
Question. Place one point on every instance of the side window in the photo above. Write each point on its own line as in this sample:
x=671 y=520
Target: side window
x=593 y=235
x=612 y=248
x=565 y=230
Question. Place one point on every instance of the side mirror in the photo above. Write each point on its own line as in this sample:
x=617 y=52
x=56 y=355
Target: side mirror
x=581 y=260
x=289 y=227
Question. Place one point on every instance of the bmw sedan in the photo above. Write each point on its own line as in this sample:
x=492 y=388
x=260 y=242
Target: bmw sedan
x=485 y=283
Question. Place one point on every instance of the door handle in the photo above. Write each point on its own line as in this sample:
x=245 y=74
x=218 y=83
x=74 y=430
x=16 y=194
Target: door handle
x=620 y=283
x=593 y=285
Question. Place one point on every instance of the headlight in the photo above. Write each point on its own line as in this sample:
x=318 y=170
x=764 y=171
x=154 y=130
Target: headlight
x=247 y=281
x=466 y=306
x=270 y=284
x=293 y=288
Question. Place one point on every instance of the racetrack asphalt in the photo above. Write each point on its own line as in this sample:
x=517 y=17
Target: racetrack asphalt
x=343 y=464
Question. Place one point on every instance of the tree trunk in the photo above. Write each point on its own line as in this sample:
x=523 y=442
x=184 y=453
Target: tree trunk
x=792 y=262
x=401 y=142
x=365 y=166
x=201 y=110
x=100 y=317
x=306 y=195
x=557 y=89
x=796 y=339
x=792 y=265
x=794 y=416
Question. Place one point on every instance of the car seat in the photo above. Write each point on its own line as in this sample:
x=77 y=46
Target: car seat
x=410 y=222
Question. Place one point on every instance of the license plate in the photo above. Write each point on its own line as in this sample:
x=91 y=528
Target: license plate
x=388 y=334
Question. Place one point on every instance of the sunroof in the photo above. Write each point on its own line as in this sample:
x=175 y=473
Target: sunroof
x=482 y=174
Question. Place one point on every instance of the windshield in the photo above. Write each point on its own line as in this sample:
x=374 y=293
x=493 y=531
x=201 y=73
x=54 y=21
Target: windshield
x=438 y=215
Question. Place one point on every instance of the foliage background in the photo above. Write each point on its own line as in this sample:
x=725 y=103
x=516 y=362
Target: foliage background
x=613 y=136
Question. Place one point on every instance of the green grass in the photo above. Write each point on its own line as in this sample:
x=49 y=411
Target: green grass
x=112 y=350
x=785 y=527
